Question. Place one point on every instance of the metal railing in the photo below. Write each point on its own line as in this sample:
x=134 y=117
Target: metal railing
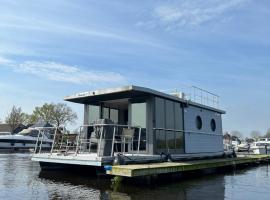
x=188 y=132
x=44 y=133
x=197 y=95
x=86 y=141
x=91 y=138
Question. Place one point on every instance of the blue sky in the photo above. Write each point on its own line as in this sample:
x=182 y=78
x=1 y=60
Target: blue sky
x=50 y=49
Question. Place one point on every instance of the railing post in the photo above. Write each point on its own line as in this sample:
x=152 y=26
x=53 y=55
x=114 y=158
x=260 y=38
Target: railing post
x=36 y=146
x=40 y=145
x=140 y=130
x=78 y=139
x=112 y=151
x=55 y=132
x=99 y=146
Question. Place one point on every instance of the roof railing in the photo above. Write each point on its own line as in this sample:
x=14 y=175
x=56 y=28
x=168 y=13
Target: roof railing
x=196 y=95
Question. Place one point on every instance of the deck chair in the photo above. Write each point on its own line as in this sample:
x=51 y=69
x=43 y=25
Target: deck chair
x=127 y=137
x=71 y=140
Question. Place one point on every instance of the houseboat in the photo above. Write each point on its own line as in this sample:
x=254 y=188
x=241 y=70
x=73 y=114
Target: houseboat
x=133 y=124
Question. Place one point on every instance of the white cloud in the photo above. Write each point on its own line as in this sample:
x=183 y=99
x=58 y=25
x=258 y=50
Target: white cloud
x=65 y=73
x=194 y=13
x=4 y=60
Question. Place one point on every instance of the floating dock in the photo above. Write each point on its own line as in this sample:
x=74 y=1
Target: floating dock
x=137 y=170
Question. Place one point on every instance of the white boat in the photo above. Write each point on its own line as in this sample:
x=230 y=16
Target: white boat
x=262 y=146
x=5 y=133
x=26 y=139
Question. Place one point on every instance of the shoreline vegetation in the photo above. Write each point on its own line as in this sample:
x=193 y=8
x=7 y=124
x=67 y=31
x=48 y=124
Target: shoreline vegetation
x=55 y=114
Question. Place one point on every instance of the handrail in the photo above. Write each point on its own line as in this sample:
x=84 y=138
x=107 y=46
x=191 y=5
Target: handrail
x=82 y=144
x=195 y=132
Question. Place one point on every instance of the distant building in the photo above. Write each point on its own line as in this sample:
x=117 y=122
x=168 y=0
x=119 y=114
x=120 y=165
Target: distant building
x=231 y=139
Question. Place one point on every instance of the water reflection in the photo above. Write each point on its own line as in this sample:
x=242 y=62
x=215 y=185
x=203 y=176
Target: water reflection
x=21 y=179
x=211 y=187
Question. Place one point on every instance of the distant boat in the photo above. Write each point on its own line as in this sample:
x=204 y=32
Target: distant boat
x=5 y=133
x=26 y=139
x=262 y=146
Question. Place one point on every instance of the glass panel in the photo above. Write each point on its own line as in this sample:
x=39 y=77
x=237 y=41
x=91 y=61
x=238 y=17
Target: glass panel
x=178 y=116
x=170 y=139
x=94 y=113
x=105 y=113
x=114 y=115
x=138 y=114
x=179 y=140
x=160 y=139
x=142 y=140
x=169 y=115
x=159 y=113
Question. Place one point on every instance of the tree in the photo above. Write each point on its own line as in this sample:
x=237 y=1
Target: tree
x=56 y=114
x=44 y=113
x=237 y=134
x=255 y=134
x=15 y=117
x=267 y=135
x=63 y=114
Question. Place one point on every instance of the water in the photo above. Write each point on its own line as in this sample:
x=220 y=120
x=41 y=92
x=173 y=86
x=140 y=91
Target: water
x=20 y=178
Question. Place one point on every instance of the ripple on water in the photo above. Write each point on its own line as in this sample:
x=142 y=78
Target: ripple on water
x=20 y=178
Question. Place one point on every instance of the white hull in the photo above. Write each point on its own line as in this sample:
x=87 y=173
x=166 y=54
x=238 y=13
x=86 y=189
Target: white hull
x=21 y=142
x=261 y=150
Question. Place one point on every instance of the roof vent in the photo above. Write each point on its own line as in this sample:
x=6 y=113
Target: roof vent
x=180 y=95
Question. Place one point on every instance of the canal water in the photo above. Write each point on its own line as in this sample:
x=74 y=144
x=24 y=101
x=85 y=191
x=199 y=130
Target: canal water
x=20 y=178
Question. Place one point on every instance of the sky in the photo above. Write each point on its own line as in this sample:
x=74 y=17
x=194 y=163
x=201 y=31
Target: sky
x=50 y=49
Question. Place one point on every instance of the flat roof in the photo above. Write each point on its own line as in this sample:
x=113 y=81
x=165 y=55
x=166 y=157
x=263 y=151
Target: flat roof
x=130 y=91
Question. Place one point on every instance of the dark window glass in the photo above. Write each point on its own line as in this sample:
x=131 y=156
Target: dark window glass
x=213 y=125
x=142 y=139
x=160 y=139
x=179 y=140
x=170 y=139
x=114 y=115
x=199 y=122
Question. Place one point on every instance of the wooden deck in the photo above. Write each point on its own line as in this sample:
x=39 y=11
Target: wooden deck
x=136 y=170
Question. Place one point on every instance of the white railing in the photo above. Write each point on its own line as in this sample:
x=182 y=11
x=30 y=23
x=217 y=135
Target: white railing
x=44 y=133
x=197 y=95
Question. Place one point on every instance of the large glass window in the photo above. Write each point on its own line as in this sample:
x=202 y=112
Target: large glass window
x=94 y=113
x=138 y=118
x=169 y=123
x=138 y=114
x=105 y=113
x=114 y=115
x=161 y=139
x=110 y=113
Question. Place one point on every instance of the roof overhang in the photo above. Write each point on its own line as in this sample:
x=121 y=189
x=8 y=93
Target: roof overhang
x=96 y=96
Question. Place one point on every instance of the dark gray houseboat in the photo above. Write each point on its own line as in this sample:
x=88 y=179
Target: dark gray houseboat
x=137 y=124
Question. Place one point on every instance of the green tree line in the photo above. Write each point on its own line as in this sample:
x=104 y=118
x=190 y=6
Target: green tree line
x=56 y=114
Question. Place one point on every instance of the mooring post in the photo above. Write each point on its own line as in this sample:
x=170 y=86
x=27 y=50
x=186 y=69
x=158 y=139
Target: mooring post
x=116 y=183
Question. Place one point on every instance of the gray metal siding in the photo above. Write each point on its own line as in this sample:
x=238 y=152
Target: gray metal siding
x=203 y=140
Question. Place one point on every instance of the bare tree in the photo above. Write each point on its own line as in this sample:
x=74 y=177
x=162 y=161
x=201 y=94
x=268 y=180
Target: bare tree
x=63 y=114
x=14 y=118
